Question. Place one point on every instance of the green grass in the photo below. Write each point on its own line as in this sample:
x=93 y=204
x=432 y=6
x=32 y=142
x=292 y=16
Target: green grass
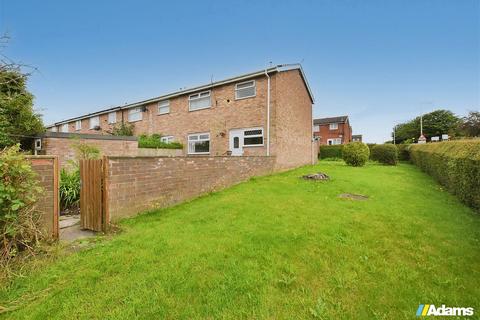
x=276 y=247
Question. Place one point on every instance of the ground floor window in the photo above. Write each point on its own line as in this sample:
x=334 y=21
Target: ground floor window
x=253 y=137
x=167 y=139
x=199 y=143
x=334 y=141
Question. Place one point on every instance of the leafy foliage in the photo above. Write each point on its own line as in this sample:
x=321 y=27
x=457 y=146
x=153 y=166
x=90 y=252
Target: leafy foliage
x=385 y=153
x=455 y=164
x=84 y=150
x=331 y=151
x=19 y=190
x=403 y=151
x=17 y=117
x=153 y=141
x=471 y=124
x=435 y=123
x=123 y=129
x=69 y=188
x=356 y=154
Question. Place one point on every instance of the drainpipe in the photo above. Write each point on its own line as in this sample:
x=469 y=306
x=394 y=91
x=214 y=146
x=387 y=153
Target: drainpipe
x=268 y=113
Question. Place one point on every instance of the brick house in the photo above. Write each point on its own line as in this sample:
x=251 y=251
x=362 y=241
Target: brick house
x=268 y=112
x=357 y=138
x=334 y=130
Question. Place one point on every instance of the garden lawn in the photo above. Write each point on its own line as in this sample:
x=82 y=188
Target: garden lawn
x=276 y=247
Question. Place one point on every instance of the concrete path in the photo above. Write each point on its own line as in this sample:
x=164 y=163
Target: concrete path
x=70 y=229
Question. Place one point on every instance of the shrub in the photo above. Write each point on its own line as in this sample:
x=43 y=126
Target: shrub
x=370 y=147
x=69 y=188
x=403 y=151
x=331 y=152
x=356 y=154
x=154 y=141
x=122 y=129
x=454 y=164
x=19 y=189
x=385 y=153
x=84 y=150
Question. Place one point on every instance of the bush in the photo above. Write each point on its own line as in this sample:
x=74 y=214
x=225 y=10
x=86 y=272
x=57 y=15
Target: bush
x=122 y=129
x=385 y=153
x=403 y=151
x=153 y=141
x=455 y=164
x=69 y=188
x=370 y=147
x=356 y=154
x=330 y=152
x=19 y=221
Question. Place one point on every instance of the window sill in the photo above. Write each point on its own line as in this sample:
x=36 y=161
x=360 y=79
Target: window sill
x=253 y=145
x=198 y=153
x=209 y=107
x=245 y=97
x=131 y=121
x=162 y=114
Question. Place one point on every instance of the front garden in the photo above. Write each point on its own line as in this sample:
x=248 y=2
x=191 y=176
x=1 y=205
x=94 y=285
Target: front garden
x=277 y=247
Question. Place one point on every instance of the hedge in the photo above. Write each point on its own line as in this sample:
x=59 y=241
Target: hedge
x=403 y=152
x=356 y=154
x=154 y=142
x=331 y=151
x=384 y=153
x=455 y=165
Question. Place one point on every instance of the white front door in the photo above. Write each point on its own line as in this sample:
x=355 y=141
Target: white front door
x=236 y=142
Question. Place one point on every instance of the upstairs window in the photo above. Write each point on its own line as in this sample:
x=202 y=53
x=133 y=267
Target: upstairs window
x=78 y=125
x=199 y=101
x=135 y=114
x=333 y=126
x=112 y=117
x=167 y=139
x=253 y=137
x=94 y=122
x=164 y=107
x=316 y=128
x=199 y=143
x=64 y=127
x=245 y=90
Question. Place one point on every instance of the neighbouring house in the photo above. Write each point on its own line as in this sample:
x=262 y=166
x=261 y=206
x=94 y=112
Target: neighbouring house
x=333 y=130
x=357 y=138
x=263 y=113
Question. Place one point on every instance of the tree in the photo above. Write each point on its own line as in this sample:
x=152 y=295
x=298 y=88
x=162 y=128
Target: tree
x=435 y=123
x=470 y=125
x=17 y=117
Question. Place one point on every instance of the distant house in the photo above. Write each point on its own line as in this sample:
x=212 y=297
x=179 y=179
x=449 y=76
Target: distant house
x=332 y=131
x=357 y=138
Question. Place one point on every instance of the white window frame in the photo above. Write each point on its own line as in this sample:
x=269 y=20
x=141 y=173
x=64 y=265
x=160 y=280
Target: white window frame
x=333 y=126
x=112 y=115
x=78 y=125
x=92 y=125
x=134 y=111
x=316 y=128
x=197 y=96
x=254 y=85
x=254 y=136
x=189 y=139
x=64 y=128
x=335 y=141
x=53 y=129
x=165 y=104
x=167 y=139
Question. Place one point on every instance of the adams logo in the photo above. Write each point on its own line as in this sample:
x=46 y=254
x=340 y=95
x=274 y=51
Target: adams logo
x=431 y=310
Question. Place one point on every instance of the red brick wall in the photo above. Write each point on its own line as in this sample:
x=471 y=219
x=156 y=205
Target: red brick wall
x=325 y=133
x=46 y=168
x=136 y=184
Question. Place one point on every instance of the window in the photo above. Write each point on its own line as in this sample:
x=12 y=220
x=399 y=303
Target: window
x=253 y=137
x=53 y=129
x=316 y=128
x=94 y=122
x=334 y=141
x=112 y=117
x=167 y=139
x=135 y=114
x=199 y=101
x=199 y=143
x=164 y=107
x=245 y=90
x=333 y=126
x=78 y=125
x=64 y=127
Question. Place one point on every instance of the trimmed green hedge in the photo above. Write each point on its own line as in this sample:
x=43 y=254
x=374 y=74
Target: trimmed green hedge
x=331 y=152
x=403 y=152
x=356 y=154
x=455 y=164
x=154 y=142
x=384 y=153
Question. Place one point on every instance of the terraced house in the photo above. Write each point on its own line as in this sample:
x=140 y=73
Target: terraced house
x=263 y=113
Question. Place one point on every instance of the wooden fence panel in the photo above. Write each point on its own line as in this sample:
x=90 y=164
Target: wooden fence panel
x=91 y=194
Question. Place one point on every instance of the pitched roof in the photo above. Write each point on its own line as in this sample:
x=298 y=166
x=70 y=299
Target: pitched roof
x=340 y=119
x=271 y=70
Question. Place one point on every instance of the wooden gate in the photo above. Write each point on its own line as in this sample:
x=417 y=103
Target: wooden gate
x=93 y=195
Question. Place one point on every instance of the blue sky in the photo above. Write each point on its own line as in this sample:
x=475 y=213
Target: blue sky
x=380 y=62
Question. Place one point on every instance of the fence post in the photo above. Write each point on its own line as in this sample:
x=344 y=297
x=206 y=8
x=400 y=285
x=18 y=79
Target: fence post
x=105 y=211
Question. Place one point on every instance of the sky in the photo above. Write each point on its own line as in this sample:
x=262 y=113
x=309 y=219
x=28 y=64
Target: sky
x=379 y=62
